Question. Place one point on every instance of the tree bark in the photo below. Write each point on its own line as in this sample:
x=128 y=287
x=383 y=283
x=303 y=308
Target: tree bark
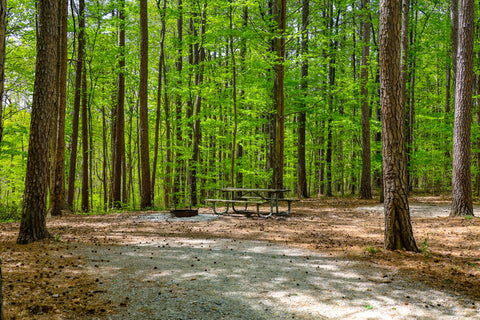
x=366 y=180
x=33 y=223
x=159 y=96
x=176 y=190
x=197 y=134
x=85 y=145
x=302 y=116
x=146 y=193
x=398 y=228
x=118 y=134
x=461 y=173
x=76 y=104
x=57 y=196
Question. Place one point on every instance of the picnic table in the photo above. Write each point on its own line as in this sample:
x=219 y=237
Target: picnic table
x=242 y=197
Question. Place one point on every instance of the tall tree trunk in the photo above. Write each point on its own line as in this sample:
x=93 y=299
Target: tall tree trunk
x=398 y=227
x=366 y=181
x=302 y=116
x=333 y=27
x=279 y=10
x=57 y=196
x=461 y=174
x=33 y=223
x=199 y=58
x=104 y=159
x=146 y=193
x=178 y=125
x=118 y=132
x=3 y=29
x=85 y=144
x=159 y=95
x=76 y=104
x=168 y=137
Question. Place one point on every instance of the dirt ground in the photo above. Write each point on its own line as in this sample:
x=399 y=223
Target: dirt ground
x=47 y=280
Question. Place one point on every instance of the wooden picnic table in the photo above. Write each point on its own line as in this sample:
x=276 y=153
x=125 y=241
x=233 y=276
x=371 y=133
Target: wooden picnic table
x=252 y=196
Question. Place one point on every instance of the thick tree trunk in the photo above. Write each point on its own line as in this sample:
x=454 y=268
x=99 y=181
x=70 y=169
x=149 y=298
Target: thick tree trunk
x=146 y=193
x=33 y=223
x=461 y=174
x=398 y=228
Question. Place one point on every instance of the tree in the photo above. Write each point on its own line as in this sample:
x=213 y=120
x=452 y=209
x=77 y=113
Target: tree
x=33 y=223
x=85 y=144
x=366 y=181
x=279 y=12
x=76 y=104
x=146 y=193
x=461 y=174
x=161 y=56
x=398 y=227
x=57 y=194
x=302 y=190
x=118 y=115
x=178 y=110
x=199 y=57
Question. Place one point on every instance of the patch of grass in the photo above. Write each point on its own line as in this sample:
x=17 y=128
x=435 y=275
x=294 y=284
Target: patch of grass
x=468 y=217
x=10 y=212
x=371 y=249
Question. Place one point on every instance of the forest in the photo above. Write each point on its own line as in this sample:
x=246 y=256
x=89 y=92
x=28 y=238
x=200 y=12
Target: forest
x=210 y=111
x=133 y=107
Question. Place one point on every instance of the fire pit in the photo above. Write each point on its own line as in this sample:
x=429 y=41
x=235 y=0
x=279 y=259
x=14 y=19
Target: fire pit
x=180 y=213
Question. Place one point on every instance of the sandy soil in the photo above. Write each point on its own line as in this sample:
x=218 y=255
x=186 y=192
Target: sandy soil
x=77 y=274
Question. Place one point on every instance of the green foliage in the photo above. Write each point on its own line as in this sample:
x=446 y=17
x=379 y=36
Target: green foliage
x=425 y=248
x=331 y=102
x=10 y=212
x=371 y=249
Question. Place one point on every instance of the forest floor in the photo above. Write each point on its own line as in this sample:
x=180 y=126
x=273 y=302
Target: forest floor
x=53 y=279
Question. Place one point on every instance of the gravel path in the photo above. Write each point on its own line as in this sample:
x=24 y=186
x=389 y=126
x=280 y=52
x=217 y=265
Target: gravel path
x=421 y=210
x=230 y=279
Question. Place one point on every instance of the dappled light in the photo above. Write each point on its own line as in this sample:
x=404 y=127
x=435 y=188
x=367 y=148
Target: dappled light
x=325 y=260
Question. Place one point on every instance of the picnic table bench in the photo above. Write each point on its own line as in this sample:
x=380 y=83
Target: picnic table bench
x=251 y=196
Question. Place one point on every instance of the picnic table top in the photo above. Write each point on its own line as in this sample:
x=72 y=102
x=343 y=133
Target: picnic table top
x=252 y=190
